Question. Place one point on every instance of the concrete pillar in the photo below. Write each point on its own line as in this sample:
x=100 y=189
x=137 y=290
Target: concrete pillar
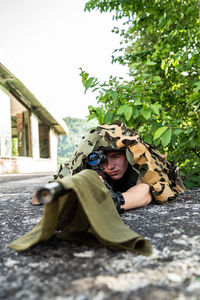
x=44 y=141
x=5 y=125
x=53 y=146
x=35 y=136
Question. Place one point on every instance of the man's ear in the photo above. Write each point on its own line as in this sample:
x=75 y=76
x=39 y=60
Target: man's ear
x=129 y=156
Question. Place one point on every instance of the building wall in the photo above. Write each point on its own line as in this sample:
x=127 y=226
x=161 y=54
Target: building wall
x=26 y=165
x=5 y=125
x=20 y=164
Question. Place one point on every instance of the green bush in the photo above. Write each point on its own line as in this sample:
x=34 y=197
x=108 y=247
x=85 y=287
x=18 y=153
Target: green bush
x=161 y=98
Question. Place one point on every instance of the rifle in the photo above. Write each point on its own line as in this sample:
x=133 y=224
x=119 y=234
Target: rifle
x=50 y=192
x=95 y=160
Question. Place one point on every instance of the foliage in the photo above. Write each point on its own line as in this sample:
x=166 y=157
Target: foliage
x=15 y=147
x=161 y=97
x=68 y=143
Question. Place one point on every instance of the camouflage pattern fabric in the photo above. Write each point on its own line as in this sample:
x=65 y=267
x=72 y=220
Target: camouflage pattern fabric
x=152 y=166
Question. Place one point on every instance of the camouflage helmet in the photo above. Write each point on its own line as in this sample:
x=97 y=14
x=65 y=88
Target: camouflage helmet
x=106 y=138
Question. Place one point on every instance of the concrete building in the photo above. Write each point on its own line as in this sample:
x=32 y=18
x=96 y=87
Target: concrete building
x=28 y=131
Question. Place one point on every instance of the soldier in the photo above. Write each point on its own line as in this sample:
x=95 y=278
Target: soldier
x=131 y=167
x=124 y=179
x=134 y=174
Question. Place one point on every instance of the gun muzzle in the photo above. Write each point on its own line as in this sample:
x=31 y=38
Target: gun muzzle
x=50 y=192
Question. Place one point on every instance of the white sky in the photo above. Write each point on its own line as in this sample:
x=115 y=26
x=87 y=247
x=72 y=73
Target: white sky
x=45 y=42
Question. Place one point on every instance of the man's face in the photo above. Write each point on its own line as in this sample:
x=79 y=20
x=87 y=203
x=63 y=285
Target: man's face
x=116 y=164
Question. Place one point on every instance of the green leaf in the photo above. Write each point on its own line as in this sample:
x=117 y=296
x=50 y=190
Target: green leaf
x=155 y=108
x=146 y=113
x=113 y=94
x=159 y=132
x=177 y=131
x=88 y=83
x=140 y=129
x=84 y=76
x=197 y=83
x=133 y=66
x=104 y=98
x=100 y=114
x=123 y=109
x=175 y=62
x=150 y=63
x=195 y=179
x=135 y=113
x=137 y=102
x=91 y=116
x=163 y=64
x=190 y=183
x=128 y=113
x=166 y=137
x=156 y=78
x=199 y=136
x=148 y=138
x=108 y=117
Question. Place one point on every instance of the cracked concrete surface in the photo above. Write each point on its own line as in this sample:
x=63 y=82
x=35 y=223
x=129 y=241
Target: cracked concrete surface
x=66 y=270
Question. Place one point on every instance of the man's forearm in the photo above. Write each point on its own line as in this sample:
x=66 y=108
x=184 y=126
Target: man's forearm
x=137 y=196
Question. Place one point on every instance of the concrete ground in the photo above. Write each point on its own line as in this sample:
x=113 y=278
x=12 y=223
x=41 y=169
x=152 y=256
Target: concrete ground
x=58 y=270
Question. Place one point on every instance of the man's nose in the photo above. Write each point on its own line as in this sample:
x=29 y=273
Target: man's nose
x=110 y=164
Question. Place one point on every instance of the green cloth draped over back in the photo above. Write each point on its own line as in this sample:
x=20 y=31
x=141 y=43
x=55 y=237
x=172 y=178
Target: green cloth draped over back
x=85 y=209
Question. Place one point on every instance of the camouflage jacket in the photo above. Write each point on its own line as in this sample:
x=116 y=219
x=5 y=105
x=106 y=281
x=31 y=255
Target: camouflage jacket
x=151 y=166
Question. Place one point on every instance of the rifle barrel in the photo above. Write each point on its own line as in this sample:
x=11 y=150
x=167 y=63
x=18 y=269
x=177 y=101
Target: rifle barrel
x=50 y=192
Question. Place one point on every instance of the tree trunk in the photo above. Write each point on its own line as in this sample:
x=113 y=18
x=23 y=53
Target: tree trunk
x=199 y=10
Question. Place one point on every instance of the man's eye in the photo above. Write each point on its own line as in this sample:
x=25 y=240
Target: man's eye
x=115 y=156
